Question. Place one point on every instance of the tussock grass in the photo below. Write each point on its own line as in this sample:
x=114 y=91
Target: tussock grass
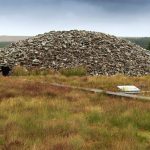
x=36 y=115
x=76 y=71
x=22 y=71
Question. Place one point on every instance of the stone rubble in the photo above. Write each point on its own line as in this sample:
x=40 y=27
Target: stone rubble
x=101 y=54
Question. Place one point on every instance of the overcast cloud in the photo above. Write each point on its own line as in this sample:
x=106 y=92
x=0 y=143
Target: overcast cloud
x=117 y=17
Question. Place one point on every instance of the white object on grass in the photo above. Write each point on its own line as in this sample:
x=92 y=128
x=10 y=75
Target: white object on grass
x=129 y=89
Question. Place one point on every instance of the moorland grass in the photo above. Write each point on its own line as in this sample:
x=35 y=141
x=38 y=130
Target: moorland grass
x=36 y=115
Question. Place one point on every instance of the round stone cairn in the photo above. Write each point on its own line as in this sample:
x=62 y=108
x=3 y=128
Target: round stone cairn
x=99 y=53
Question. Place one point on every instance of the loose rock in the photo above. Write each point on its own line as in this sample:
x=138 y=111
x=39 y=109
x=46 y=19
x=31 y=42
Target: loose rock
x=101 y=54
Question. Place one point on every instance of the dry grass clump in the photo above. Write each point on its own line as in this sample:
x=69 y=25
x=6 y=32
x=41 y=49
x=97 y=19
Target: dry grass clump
x=22 y=71
x=76 y=71
x=19 y=71
x=36 y=115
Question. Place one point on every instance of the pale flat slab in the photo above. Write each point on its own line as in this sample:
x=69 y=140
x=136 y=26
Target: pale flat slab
x=129 y=89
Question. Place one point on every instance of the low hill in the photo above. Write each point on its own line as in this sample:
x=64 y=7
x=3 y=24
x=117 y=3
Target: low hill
x=4 y=44
x=12 y=38
x=142 y=41
x=7 y=40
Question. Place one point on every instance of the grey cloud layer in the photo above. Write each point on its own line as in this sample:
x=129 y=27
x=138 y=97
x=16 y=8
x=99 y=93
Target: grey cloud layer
x=108 y=5
x=94 y=2
x=112 y=16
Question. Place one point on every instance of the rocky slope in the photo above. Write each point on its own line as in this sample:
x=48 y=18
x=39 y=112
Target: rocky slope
x=98 y=52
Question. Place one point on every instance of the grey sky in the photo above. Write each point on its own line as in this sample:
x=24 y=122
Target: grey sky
x=117 y=17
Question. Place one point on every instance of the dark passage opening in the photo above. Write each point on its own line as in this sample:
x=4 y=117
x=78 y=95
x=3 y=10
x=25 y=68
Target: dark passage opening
x=5 y=70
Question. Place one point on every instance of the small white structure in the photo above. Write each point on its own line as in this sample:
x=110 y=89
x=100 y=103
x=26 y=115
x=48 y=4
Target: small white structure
x=131 y=89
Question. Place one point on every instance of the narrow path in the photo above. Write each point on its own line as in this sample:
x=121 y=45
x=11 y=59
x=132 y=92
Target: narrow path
x=118 y=94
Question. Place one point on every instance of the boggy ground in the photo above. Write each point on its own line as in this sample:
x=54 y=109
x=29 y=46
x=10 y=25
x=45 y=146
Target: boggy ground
x=36 y=116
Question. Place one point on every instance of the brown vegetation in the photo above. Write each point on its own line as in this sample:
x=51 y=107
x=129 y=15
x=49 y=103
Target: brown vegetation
x=35 y=115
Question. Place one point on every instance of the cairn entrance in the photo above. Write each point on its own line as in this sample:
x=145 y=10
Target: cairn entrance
x=5 y=70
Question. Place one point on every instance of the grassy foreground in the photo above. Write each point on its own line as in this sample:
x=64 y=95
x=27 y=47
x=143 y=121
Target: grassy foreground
x=37 y=116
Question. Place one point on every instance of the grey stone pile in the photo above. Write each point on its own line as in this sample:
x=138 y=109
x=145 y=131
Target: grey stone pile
x=101 y=54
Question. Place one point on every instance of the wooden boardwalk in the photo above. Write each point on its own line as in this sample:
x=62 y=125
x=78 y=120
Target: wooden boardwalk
x=117 y=94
